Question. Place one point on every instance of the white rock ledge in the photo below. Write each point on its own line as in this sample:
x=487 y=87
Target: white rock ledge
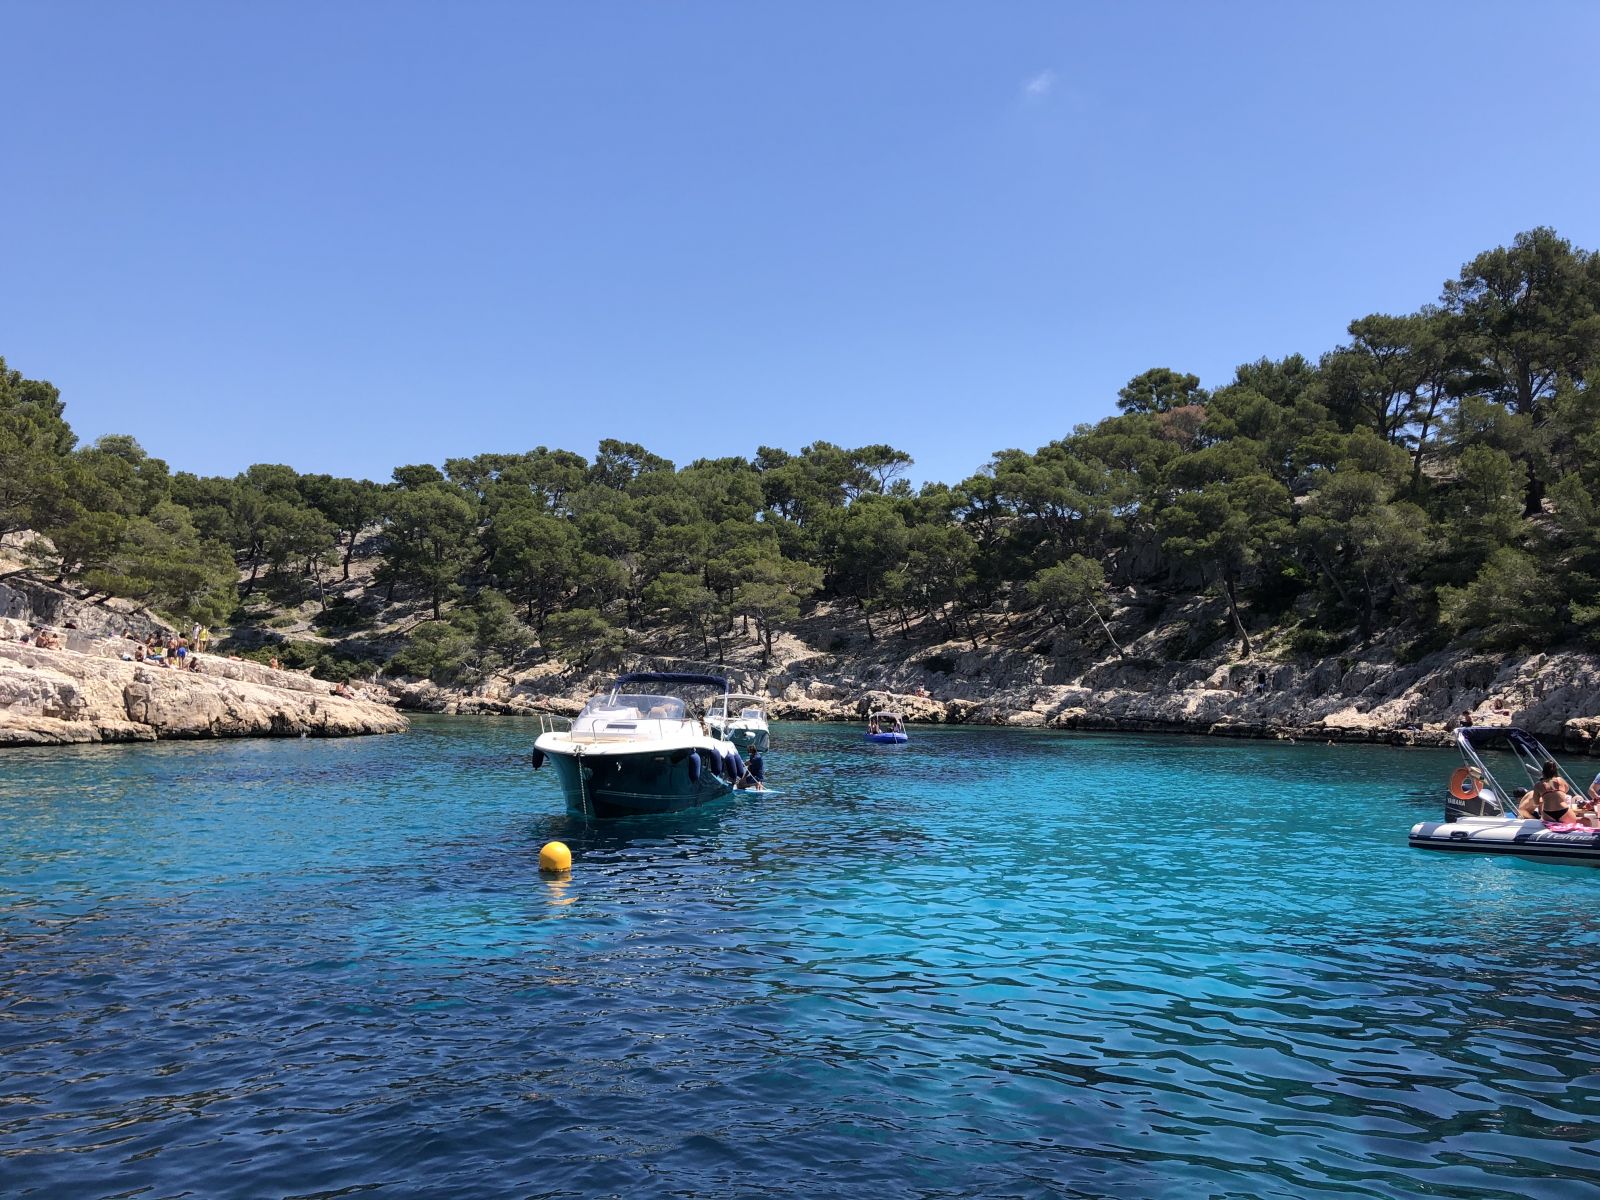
x=60 y=697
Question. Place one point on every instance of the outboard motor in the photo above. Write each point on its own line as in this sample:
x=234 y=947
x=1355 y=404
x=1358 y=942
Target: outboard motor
x=1484 y=803
x=1471 y=795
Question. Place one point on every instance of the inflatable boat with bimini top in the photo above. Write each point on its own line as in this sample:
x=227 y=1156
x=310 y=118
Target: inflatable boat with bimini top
x=886 y=728
x=1480 y=813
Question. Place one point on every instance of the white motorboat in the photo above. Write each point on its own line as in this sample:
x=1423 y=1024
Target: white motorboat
x=1480 y=814
x=635 y=750
x=740 y=719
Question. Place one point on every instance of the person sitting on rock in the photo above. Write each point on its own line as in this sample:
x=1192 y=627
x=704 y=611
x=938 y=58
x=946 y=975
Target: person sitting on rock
x=1548 y=800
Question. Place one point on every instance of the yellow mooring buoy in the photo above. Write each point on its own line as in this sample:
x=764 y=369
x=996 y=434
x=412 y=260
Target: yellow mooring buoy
x=555 y=858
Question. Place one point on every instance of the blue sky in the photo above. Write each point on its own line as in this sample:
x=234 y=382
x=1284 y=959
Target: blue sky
x=350 y=236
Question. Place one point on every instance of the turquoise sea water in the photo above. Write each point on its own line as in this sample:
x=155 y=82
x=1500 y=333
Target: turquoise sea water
x=992 y=963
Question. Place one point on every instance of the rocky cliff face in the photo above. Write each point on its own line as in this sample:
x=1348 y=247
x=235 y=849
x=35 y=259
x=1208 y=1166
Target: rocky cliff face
x=56 y=697
x=1028 y=676
x=1367 y=696
x=1556 y=696
x=87 y=691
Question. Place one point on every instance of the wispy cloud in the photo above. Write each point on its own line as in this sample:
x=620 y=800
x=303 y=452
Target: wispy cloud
x=1040 y=86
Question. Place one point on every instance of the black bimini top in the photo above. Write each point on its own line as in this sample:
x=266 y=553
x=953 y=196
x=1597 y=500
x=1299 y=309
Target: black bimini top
x=1481 y=736
x=716 y=681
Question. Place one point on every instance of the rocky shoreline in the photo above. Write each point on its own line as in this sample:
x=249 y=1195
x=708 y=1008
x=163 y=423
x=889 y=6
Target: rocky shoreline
x=1369 y=698
x=88 y=694
x=85 y=692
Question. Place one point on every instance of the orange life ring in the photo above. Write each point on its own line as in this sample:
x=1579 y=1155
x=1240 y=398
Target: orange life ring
x=1464 y=784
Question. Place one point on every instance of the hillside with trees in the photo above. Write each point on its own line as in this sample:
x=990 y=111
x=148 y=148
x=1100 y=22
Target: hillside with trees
x=1433 y=480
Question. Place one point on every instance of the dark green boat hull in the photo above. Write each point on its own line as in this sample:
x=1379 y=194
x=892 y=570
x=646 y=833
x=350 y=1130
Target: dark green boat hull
x=631 y=785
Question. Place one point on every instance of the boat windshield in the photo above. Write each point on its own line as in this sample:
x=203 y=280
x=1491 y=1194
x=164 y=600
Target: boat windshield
x=635 y=707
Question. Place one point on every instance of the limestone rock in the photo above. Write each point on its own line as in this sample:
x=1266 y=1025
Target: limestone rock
x=56 y=697
x=1365 y=696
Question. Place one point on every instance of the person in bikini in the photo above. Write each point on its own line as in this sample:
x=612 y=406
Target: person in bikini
x=1550 y=799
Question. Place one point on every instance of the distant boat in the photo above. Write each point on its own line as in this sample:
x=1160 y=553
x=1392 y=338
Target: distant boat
x=742 y=720
x=1480 y=813
x=636 y=750
x=886 y=728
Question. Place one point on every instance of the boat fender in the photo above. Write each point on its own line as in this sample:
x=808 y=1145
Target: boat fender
x=758 y=767
x=714 y=758
x=735 y=767
x=694 y=768
x=537 y=759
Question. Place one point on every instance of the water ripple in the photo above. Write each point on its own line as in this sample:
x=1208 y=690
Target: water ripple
x=316 y=969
